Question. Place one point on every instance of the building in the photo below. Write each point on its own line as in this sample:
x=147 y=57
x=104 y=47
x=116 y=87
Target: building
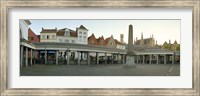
x=92 y=40
x=82 y=34
x=147 y=52
x=145 y=41
x=173 y=47
x=27 y=49
x=66 y=36
x=48 y=35
x=108 y=42
x=32 y=37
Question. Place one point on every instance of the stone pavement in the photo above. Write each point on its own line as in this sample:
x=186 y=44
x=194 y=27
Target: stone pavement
x=101 y=70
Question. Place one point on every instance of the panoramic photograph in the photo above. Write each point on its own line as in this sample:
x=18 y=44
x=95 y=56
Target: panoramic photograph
x=99 y=47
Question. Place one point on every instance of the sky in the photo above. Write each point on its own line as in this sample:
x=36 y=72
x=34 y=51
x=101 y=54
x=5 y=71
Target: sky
x=162 y=30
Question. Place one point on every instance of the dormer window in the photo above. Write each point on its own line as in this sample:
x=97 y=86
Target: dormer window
x=66 y=32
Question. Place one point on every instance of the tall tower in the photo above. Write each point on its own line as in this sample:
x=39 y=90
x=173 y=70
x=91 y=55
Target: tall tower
x=130 y=39
x=142 y=40
x=122 y=38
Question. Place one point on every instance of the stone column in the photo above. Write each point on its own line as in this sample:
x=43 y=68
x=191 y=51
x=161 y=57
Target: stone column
x=122 y=58
x=150 y=57
x=21 y=56
x=45 y=56
x=105 y=58
x=157 y=59
x=78 y=57
x=112 y=58
x=136 y=59
x=130 y=39
x=172 y=58
x=88 y=58
x=143 y=59
x=117 y=58
x=31 y=59
x=26 y=56
x=34 y=54
x=165 y=59
x=97 y=58
x=56 y=57
x=68 y=57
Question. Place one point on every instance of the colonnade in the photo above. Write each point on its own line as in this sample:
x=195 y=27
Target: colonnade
x=97 y=57
x=155 y=59
x=27 y=56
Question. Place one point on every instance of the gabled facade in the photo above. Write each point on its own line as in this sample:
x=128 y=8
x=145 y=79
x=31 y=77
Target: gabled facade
x=32 y=37
x=145 y=42
x=174 y=47
x=92 y=40
x=101 y=41
x=48 y=35
x=66 y=36
x=110 y=41
x=82 y=34
x=24 y=26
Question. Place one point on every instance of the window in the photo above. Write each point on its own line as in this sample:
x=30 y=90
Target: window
x=84 y=37
x=80 y=32
x=32 y=38
x=73 y=41
x=47 y=36
x=84 y=33
x=43 y=36
x=111 y=43
x=80 y=36
x=92 y=42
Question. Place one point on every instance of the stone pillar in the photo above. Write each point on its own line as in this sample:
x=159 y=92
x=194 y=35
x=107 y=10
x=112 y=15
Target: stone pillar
x=97 y=58
x=88 y=58
x=112 y=58
x=34 y=54
x=78 y=57
x=68 y=57
x=105 y=58
x=122 y=58
x=143 y=59
x=117 y=58
x=150 y=57
x=130 y=39
x=56 y=57
x=165 y=59
x=45 y=56
x=31 y=59
x=157 y=59
x=21 y=56
x=26 y=57
x=137 y=59
x=172 y=58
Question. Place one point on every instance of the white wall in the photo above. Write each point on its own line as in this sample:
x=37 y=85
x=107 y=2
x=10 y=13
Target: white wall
x=120 y=46
x=44 y=39
x=24 y=29
x=81 y=39
x=63 y=38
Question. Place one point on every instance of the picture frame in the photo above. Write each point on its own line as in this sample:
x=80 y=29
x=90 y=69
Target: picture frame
x=5 y=5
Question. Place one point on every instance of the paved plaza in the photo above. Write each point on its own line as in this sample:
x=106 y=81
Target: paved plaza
x=101 y=70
